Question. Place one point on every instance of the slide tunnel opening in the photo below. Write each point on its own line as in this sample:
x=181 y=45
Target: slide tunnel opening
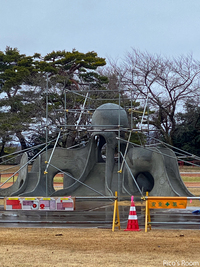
x=145 y=181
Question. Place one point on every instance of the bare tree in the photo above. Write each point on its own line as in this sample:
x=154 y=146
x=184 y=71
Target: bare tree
x=166 y=83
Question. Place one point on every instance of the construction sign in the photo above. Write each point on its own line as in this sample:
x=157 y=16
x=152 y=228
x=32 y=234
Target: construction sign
x=13 y=203
x=162 y=203
x=39 y=203
x=167 y=203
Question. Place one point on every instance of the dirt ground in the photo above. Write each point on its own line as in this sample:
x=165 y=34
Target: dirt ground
x=100 y=247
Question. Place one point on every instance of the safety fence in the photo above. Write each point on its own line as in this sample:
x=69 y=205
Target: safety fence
x=192 y=163
x=59 y=204
x=158 y=202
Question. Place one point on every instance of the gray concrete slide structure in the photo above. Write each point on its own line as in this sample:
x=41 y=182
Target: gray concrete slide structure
x=171 y=166
x=75 y=162
x=156 y=170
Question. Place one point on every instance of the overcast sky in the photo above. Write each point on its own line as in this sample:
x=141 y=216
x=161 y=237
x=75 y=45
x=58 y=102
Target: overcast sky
x=109 y=27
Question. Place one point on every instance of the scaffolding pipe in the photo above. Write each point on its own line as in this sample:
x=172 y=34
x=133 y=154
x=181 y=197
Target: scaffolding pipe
x=119 y=122
x=132 y=176
x=45 y=172
x=144 y=111
x=23 y=166
x=79 y=119
x=77 y=180
x=126 y=150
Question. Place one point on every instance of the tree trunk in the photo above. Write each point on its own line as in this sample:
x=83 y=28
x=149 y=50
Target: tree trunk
x=2 y=153
x=22 y=140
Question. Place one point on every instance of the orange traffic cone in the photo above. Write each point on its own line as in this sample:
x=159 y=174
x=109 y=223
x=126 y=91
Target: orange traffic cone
x=132 y=218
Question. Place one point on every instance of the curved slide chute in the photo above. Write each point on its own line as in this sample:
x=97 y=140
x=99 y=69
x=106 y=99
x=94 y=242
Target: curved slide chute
x=155 y=169
x=76 y=162
x=173 y=174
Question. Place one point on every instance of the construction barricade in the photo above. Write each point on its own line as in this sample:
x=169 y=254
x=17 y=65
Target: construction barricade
x=58 y=204
x=39 y=203
x=153 y=202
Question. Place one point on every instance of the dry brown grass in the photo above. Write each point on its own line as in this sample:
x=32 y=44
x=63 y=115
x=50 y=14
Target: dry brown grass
x=88 y=247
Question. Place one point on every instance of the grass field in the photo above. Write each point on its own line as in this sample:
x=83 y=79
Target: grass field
x=42 y=247
x=191 y=179
x=189 y=169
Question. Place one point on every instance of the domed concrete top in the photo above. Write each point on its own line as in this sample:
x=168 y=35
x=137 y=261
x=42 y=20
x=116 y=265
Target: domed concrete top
x=108 y=114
